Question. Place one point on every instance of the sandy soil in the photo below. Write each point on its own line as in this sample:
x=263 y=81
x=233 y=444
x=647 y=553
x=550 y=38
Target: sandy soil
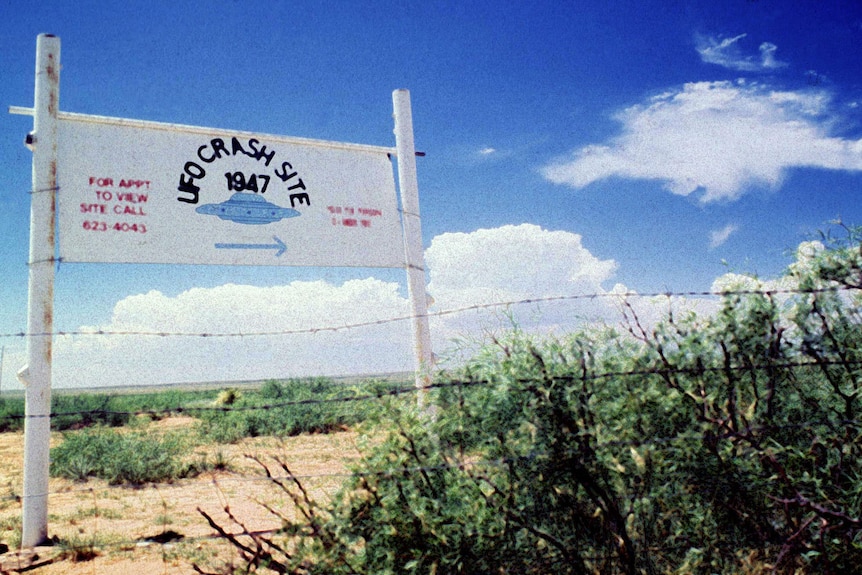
x=123 y=522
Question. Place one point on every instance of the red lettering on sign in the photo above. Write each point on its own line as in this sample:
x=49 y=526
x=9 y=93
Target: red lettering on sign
x=95 y=226
x=92 y=208
x=365 y=222
x=134 y=184
x=132 y=198
x=129 y=210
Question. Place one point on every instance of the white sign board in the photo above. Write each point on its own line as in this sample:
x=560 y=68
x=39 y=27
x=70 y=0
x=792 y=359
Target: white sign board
x=142 y=192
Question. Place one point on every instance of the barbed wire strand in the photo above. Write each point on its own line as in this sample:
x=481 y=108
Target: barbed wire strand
x=179 y=410
x=232 y=477
x=409 y=389
x=44 y=190
x=442 y=313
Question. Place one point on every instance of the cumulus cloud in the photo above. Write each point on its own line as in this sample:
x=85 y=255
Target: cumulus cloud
x=511 y=262
x=718 y=237
x=720 y=138
x=514 y=264
x=728 y=54
x=283 y=331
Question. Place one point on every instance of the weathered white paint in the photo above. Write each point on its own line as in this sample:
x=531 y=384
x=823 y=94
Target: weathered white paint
x=37 y=425
x=414 y=252
x=139 y=192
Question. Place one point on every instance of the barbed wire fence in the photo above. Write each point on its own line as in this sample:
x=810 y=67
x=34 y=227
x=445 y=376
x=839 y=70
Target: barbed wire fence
x=96 y=505
x=617 y=296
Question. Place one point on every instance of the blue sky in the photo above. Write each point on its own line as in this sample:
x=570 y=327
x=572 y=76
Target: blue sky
x=650 y=145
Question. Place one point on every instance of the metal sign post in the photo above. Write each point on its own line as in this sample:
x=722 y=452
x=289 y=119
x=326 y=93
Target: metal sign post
x=413 y=251
x=40 y=303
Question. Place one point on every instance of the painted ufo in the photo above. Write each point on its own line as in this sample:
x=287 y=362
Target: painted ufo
x=244 y=208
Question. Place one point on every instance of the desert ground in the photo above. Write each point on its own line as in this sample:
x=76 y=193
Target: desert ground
x=156 y=528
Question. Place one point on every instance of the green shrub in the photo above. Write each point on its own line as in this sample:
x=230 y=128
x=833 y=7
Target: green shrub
x=727 y=443
x=290 y=408
x=11 y=414
x=76 y=411
x=117 y=457
x=72 y=411
x=69 y=411
x=227 y=415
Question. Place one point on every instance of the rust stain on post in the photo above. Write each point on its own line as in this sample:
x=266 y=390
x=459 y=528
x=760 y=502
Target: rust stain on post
x=48 y=312
x=48 y=318
x=54 y=79
x=53 y=212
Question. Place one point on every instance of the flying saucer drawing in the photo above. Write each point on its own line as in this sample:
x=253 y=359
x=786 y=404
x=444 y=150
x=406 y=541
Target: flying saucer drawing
x=244 y=208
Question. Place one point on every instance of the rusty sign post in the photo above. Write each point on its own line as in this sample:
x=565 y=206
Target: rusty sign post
x=40 y=303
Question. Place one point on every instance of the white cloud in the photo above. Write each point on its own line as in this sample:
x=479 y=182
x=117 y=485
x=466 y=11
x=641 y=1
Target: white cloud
x=512 y=261
x=767 y=56
x=98 y=360
x=487 y=151
x=718 y=137
x=512 y=264
x=727 y=53
x=718 y=237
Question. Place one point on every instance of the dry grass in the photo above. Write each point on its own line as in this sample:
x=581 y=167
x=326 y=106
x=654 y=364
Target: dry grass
x=156 y=528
